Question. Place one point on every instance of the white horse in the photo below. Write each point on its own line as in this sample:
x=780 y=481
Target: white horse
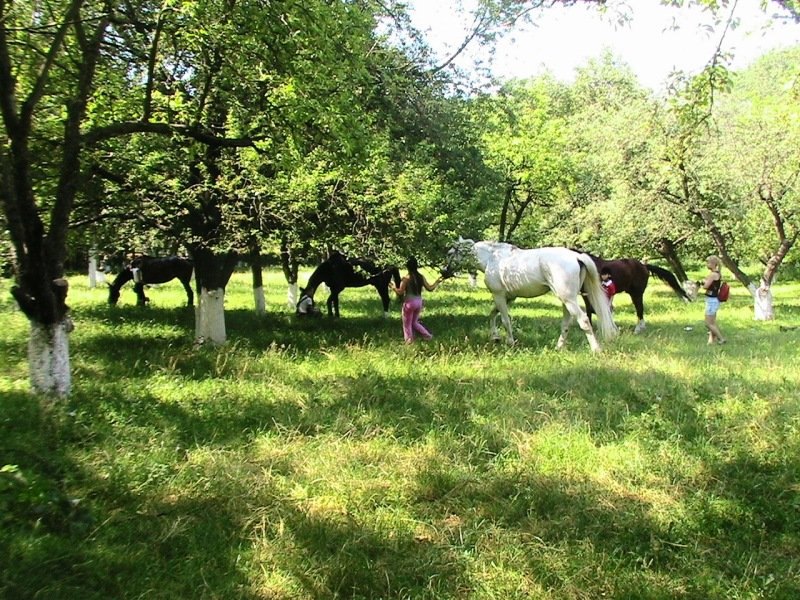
x=511 y=272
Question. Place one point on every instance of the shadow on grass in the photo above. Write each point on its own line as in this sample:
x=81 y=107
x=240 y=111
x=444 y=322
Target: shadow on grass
x=104 y=544
x=574 y=537
x=349 y=560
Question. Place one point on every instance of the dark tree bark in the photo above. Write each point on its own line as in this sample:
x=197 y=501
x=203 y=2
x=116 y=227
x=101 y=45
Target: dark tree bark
x=668 y=250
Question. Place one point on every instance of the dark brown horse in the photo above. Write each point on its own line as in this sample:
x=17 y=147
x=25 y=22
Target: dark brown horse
x=339 y=272
x=631 y=276
x=145 y=270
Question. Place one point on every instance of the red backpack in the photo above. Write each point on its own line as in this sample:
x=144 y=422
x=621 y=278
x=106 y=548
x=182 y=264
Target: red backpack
x=724 y=292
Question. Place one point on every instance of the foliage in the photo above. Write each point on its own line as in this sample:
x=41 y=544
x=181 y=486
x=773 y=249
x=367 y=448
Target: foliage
x=762 y=114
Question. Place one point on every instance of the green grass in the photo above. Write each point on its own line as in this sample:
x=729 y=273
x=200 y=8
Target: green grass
x=325 y=459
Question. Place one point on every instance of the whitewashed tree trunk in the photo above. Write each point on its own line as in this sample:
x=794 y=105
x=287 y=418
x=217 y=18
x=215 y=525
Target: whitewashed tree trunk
x=92 y=271
x=210 y=316
x=763 y=308
x=260 y=300
x=48 y=358
x=95 y=277
x=292 y=296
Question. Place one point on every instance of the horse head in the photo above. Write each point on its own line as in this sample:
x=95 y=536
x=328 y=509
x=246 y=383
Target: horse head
x=460 y=257
x=306 y=307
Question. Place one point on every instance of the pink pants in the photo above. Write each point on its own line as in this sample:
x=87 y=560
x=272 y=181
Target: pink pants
x=412 y=307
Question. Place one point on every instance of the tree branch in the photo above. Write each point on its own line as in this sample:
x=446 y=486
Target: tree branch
x=194 y=132
x=28 y=106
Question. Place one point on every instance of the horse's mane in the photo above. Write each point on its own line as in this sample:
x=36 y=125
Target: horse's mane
x=591 y=254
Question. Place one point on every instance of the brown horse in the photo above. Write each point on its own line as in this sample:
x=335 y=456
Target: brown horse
x=631 y=276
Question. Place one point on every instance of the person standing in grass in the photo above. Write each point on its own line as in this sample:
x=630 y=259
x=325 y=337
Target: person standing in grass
x=609 y=287
x=711 y=286
x=410 y=289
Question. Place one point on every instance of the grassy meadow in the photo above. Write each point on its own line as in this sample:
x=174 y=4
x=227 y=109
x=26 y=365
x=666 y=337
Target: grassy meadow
x=325 y=459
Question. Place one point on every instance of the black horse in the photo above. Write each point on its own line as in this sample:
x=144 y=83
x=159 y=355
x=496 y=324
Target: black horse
x=145 y=270
x=339 y=272
x=631 y=276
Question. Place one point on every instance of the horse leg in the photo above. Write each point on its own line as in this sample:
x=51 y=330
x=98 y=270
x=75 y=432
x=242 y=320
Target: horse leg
x=566 y=323
x=141 y=299
x=501 y=305
x=638 y=303
x=574 y=310
x=588 y=306
x=384 y=293
x=189 y=292
x=330 y=304
x=494 y=335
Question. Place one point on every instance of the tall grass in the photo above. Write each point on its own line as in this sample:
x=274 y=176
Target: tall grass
x=325 y=459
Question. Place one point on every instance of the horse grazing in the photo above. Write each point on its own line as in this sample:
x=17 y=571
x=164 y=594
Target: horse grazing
x=339 y=272
x=631 y=276
x=511 y=272
x=145 y=270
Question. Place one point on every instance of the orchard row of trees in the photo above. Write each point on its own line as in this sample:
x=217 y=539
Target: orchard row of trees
x=230 y=128
x=602 y=164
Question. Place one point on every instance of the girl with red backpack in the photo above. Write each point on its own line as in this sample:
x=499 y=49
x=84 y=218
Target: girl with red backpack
x=711 y=285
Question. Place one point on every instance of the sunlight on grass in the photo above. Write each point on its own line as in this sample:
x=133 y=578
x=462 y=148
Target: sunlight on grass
x=310 y=459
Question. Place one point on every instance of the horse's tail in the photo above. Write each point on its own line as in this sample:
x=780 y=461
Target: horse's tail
x=670 y=279
x=597 y=298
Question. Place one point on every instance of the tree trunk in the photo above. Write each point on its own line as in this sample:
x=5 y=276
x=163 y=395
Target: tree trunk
x=763 y=308
x=509 y=194
x=96 y=277
x=39 y=242
x=260 y=300
x=258 y=281
x=722 y=248
x=668 y=250
x=210 y=317
x=212 y=273
x=290 y=271
x=92 y=271
x=48 y=358
x=292 y=295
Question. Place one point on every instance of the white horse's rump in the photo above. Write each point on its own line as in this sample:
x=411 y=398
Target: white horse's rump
x=511 y=272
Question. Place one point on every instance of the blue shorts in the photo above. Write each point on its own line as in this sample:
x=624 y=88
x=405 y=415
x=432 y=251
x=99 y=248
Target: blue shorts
x=712 y=306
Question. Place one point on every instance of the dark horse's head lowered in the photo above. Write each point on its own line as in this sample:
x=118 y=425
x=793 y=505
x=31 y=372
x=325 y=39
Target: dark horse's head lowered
x=146 y=270
x=306 y=307
x=339 y=272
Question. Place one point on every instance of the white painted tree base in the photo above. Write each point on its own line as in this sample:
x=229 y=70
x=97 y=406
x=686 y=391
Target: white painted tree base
x=292 y=296
x=210 y=317
x=260 y=300
x=48 y=358
x=763 y=307
x=95 y=277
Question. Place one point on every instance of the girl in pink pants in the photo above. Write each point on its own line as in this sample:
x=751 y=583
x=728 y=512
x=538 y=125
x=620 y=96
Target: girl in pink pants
x=410 y=289
x=412 y=308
